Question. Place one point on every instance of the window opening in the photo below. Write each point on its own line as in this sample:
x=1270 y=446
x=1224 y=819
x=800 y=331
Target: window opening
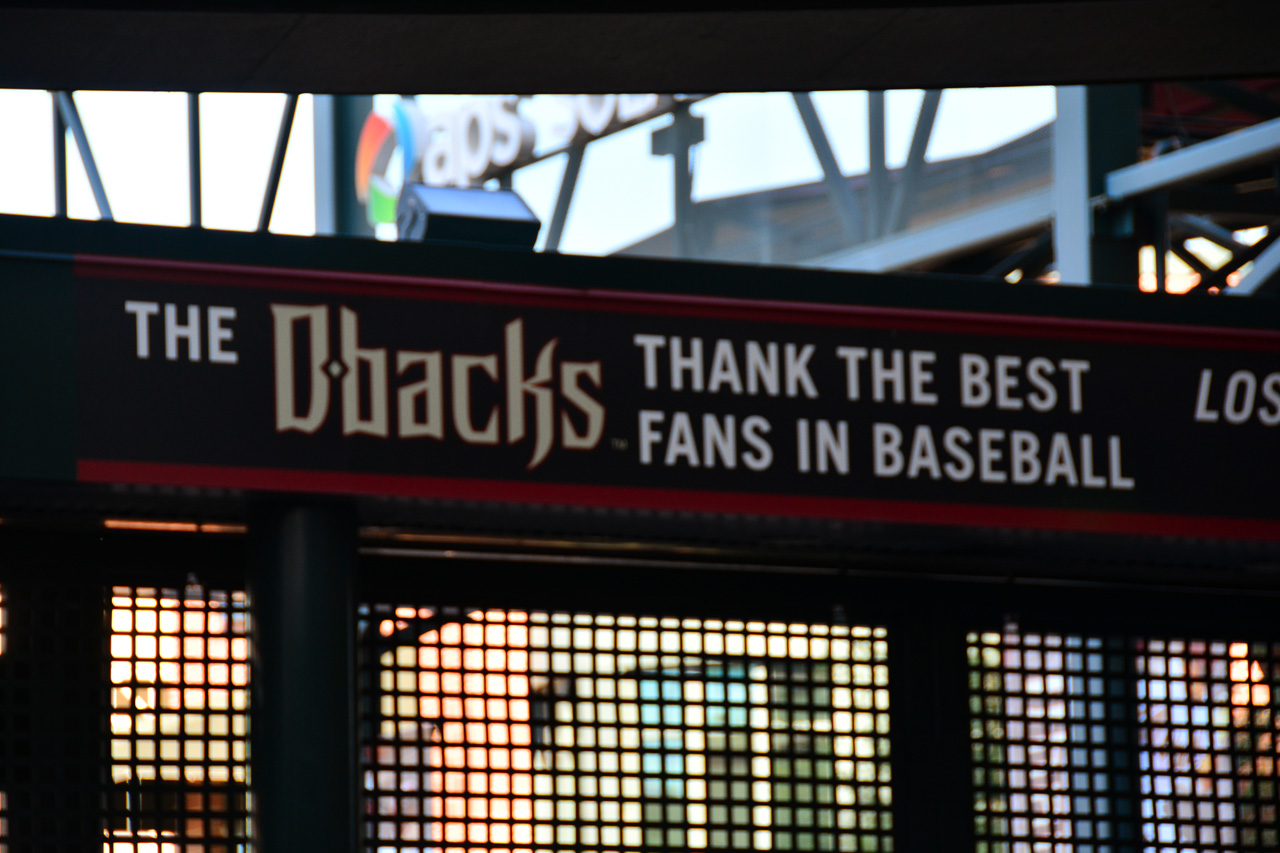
x=513 y=730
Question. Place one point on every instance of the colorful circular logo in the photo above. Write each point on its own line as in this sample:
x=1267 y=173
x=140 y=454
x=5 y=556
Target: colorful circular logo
x=377 y=186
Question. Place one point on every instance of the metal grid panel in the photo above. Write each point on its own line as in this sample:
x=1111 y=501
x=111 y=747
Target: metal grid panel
x=4 y=796
x=51 y=701
x=1042 y=769
x=1110 y=744
x=1207 y=730
x=179 y=721
x=511 y=730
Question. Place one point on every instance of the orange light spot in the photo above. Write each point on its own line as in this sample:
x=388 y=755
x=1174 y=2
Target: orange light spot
x=161 y=526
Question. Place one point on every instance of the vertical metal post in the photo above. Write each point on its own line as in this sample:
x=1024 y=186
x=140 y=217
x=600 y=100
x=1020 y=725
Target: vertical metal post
x=564 y=198
x=1159 y=213
x=877 y=172
x=1096 y=132
x=59 y=159
x=193 y=158
x=303 y=742
x=277 y=162
x=54 y=680
x=932 y=764
x=677 y=139
x=1073 y=213
x=338 y=121
x=1123 y=743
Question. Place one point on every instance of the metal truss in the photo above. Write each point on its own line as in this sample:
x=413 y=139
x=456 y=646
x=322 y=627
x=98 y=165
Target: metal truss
x=1193 y=185
x=66 y=118
x=975 y=230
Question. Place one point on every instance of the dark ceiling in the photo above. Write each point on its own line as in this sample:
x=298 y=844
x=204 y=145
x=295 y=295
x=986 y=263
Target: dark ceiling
x=507 y=46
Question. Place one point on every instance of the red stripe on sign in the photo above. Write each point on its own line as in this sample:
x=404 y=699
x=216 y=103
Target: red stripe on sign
x=743 y=503
x=662 y=304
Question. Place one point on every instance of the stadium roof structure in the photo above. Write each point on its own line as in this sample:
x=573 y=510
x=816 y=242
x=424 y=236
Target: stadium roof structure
x=572 y=46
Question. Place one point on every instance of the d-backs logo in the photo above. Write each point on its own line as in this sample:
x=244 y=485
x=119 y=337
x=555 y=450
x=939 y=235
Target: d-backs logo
x=365 y=396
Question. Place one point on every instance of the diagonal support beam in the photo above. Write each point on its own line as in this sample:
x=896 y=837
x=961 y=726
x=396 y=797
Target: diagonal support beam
x=1204 y=160
x=910 y=175
x=568 y=182
x=1189 y=258
x=71 y=118
x=277 y=162
x=832 y=178
x=1218 y=278
x=1263 y=277
x=1200 y=226
x=1014 y=219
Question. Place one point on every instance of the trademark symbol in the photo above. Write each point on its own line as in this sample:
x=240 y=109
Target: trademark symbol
x=618 y=443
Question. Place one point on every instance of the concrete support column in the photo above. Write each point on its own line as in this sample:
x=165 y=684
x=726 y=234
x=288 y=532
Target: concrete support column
x=303 y=734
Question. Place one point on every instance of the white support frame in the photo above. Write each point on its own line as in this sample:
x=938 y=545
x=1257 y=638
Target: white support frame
x=1250 y=147
x=1072 y=205
x=996 y=223
x=1265 y=268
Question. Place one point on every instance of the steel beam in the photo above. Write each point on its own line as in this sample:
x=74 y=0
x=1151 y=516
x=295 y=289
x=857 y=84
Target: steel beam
x=677 y=139
x=1218 y=278
x=877 y=170
x=1073 y=213
x=964 y=233
x=277 y=161
x=1030 y=260
x=1250 y=147
x=193 y=159
x=1189 y=258
x=1199 y=226
x=1263 y=276
x=564 y=198
x=71 y=117
x=832 y=178
x=910 y=174
x=1095 y=132
x=302 y=744
x=59 y=159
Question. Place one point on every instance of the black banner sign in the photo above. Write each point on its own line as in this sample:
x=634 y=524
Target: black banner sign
x=304 y=381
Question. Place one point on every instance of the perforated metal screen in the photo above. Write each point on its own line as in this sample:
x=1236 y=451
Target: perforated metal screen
x=179 y=717
x=1106 y=744
x=125 y=720
x=514 y=730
